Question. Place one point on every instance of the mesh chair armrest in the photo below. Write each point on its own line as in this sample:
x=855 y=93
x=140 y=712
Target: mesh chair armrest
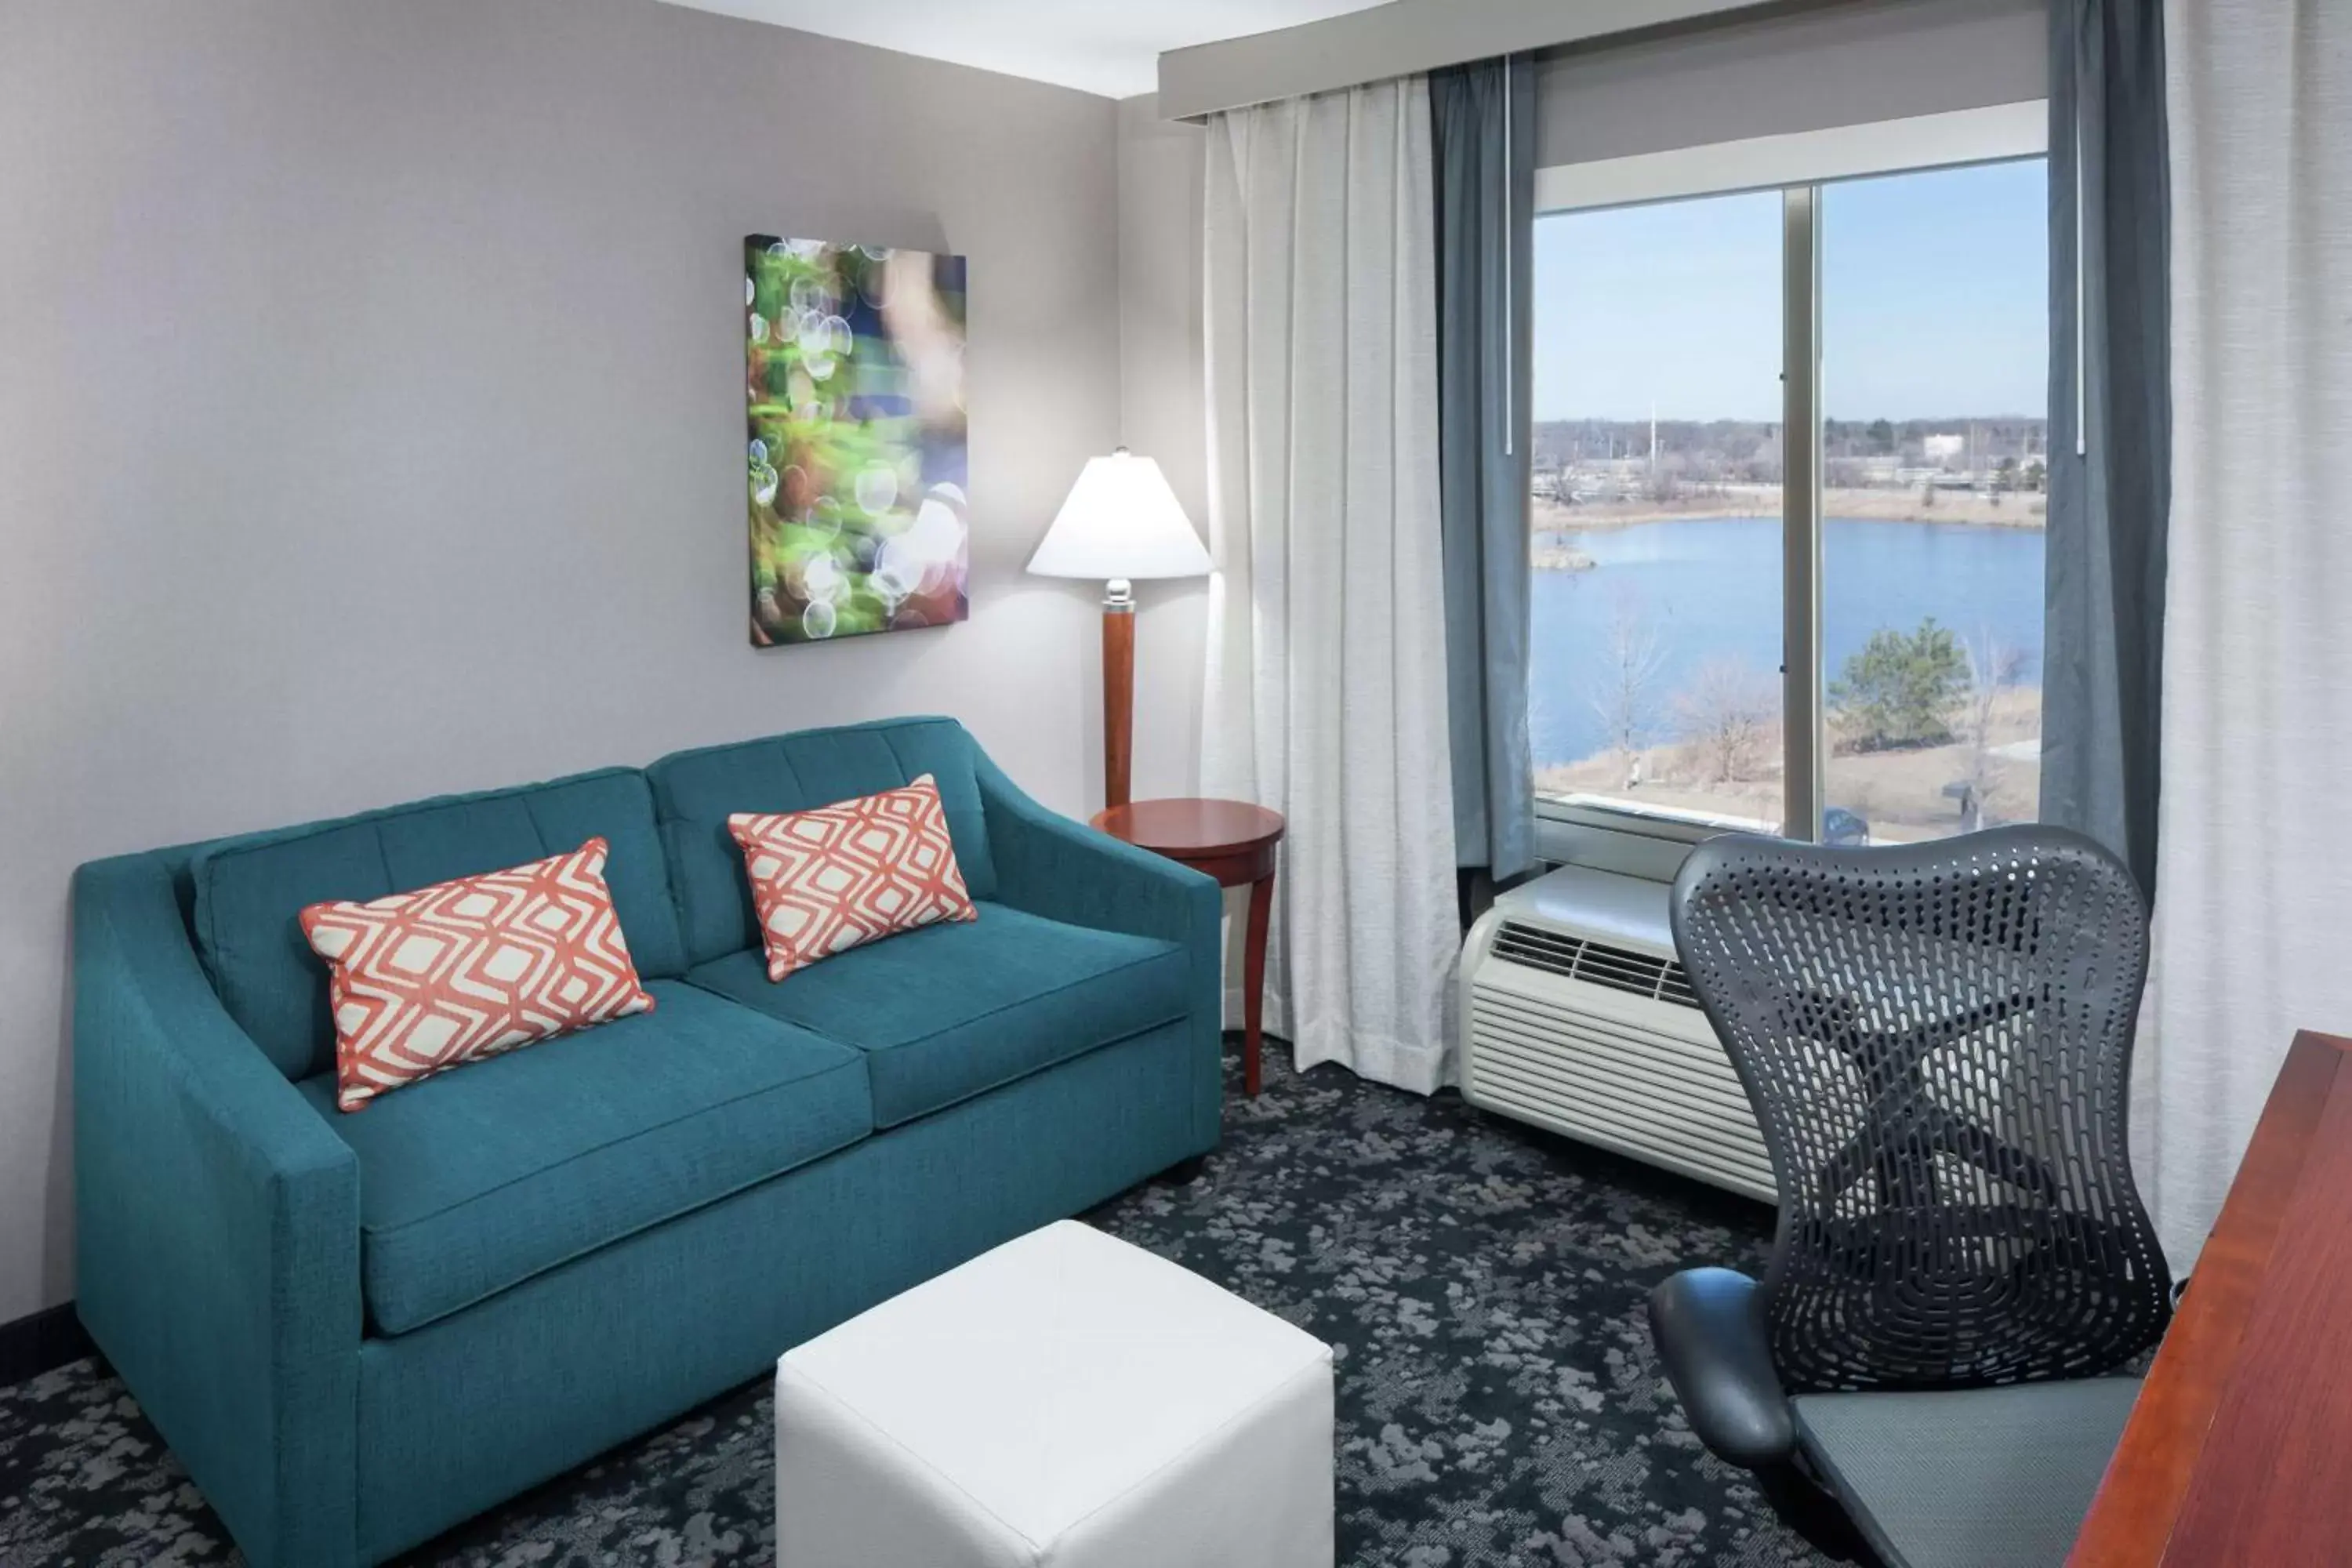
x=1709 y=1326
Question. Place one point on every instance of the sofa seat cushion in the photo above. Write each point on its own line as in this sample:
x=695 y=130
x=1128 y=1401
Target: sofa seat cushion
x=479 y=1178
x=953 y=1010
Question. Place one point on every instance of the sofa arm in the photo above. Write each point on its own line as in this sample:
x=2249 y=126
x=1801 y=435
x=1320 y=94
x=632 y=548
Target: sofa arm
x=1050 y=865
x=217 y=1229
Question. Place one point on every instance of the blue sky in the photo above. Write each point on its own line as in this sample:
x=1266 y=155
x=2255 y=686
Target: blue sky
x=1935 y=289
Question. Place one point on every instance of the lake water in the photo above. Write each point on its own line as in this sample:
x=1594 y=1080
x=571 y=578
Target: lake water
x=1710 y=588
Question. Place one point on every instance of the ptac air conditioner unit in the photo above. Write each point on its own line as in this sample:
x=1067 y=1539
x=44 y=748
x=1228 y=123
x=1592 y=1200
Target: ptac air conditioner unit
x=1577 y=1016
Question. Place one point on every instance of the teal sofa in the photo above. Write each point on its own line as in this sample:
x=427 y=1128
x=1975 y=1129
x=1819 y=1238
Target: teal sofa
x=356 y=1330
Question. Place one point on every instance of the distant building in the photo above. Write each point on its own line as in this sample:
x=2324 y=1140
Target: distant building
x=1944 y=448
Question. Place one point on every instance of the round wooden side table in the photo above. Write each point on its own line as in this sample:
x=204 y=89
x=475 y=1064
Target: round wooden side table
x=1233 y=841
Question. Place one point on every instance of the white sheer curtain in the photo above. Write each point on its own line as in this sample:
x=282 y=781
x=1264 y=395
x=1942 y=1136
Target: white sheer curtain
x=2253 y=922
x=1326 y=687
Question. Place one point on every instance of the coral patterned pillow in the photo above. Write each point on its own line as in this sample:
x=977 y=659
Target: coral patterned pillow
x=827 y=881
x=464 y=970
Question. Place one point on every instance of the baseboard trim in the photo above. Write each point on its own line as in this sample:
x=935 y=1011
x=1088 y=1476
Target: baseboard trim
x=42 y=1343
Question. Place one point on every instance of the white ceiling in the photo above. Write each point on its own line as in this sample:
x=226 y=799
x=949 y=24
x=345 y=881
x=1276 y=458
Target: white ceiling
x=1108 y=46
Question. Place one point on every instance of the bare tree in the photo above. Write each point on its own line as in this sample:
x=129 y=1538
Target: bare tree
x=1623 y=685
x=1726 y=712
x=1994 y=666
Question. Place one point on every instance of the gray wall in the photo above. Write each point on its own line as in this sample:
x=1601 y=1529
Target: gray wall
x=1164 y=413
x=371 y=425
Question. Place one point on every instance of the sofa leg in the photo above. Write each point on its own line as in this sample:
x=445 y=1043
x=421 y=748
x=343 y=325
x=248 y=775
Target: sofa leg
x=1183 y=1172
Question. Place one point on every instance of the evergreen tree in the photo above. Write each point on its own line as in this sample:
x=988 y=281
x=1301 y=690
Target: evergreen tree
x=1901 y=688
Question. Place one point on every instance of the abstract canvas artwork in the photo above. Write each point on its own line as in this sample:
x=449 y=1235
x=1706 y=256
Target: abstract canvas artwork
x=854 y=384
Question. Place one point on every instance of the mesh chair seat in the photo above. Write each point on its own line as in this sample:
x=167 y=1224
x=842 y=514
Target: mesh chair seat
x=1981 y=1478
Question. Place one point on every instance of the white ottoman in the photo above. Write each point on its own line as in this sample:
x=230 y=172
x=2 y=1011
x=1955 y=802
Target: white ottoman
x=1066 y=1400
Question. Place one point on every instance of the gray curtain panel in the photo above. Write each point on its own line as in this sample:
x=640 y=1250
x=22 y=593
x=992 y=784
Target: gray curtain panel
x=1482 y=119
x=2110 y=424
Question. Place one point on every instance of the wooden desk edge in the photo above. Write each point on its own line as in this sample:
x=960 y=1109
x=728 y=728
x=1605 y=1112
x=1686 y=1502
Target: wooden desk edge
x=2140 y=1499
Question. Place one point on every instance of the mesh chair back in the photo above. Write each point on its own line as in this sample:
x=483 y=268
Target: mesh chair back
x=1937 y=1041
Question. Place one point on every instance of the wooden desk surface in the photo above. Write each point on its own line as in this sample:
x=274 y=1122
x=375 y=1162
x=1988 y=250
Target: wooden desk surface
x=2240 y=1447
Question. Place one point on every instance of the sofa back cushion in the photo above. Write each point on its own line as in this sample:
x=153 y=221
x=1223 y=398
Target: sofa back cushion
x=695 y=792
x=249 y=891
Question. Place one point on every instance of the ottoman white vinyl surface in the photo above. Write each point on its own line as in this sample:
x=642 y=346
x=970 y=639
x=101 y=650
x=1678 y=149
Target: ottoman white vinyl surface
x=1065 y=1399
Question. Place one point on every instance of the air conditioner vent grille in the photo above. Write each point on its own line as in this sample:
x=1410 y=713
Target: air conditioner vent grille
x=1595 y=963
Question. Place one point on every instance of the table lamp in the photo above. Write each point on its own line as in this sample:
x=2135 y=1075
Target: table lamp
x=1121 y=521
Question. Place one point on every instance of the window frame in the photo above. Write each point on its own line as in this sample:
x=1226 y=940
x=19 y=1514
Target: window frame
x=1798 y=165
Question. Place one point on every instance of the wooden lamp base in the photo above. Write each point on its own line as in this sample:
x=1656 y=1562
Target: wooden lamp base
x=1118 y=691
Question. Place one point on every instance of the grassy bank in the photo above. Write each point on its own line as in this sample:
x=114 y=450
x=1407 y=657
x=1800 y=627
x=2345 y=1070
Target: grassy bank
x=1899 y=793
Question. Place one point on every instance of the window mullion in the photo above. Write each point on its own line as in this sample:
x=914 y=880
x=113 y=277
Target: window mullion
x=1800 y=510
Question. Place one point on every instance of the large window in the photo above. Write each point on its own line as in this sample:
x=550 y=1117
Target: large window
x=1863 y=661
x=1656 y=645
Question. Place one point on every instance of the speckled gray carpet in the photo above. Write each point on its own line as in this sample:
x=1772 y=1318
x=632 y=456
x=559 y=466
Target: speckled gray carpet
x=1482 y=1284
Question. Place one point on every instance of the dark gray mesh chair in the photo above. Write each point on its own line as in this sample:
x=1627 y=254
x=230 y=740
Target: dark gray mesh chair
x=1937 y=1041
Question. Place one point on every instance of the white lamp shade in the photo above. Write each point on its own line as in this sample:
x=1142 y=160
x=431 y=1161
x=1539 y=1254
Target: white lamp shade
x=1121 y=521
